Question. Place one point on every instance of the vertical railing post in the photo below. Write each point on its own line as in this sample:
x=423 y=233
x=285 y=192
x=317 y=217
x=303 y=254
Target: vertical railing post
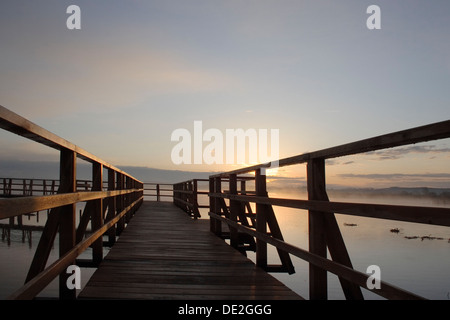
x=174 y=194
x=97 y=212
x=141 y=193
x=111 y=206
x=217 y=207
x=261 y=219
x=188 y=198
x=128 y=186
x=317 y=237
x=158 y=195
x=120 y=203
x=195 y=208
x=212 y=221
x=67 y=217
x=234 y=211
x=185 y=196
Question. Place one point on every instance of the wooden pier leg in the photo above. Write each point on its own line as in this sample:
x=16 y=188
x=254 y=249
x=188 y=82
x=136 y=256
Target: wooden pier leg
x=67 y=217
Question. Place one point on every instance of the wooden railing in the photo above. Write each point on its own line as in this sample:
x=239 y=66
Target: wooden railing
x=186 y=194
x=324 y=232
x=158 y=191
x=19 y=187
x=107 y=209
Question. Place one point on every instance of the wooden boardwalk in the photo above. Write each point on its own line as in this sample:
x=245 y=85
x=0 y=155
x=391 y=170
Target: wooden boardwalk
x=164 y=254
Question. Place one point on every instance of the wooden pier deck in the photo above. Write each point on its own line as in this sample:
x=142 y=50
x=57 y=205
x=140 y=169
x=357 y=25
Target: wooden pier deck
x=165 y=254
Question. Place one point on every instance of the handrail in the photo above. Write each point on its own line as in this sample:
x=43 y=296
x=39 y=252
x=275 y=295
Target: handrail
x=324 y=234
x=19 y=187
x=12 y=207
x=159 y=192
x=439 y=130
x=108 y=208
x=17 y=124
x=186 y=196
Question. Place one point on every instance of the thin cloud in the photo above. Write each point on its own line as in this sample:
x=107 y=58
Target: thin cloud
x=376 y=180
x=79 y=78
x=396 y=176
x=397 y=153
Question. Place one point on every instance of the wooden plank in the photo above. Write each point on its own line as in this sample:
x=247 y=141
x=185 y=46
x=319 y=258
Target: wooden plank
x=165 y=254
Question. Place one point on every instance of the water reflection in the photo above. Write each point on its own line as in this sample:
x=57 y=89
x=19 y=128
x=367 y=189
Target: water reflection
x=17 y=250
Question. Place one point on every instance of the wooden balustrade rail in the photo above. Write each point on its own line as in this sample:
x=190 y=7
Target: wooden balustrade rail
x=185 y=196
x=324 y=232
x=108 y=208
x=158 y=190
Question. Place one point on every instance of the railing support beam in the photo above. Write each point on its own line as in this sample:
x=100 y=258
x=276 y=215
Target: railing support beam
x=318 y=286
x=67 y=217
x=261 y=220
x=97 y=212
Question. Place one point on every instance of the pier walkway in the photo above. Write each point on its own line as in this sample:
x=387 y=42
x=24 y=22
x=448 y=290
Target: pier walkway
x=165 y=254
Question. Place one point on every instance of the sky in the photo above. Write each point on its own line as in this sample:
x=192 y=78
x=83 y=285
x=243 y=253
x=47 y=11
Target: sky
x=312 y=69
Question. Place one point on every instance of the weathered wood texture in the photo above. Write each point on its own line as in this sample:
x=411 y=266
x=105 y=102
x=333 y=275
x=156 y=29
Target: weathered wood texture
x=164 y=254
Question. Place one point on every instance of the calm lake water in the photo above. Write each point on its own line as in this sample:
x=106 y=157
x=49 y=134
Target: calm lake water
x=420 y=266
